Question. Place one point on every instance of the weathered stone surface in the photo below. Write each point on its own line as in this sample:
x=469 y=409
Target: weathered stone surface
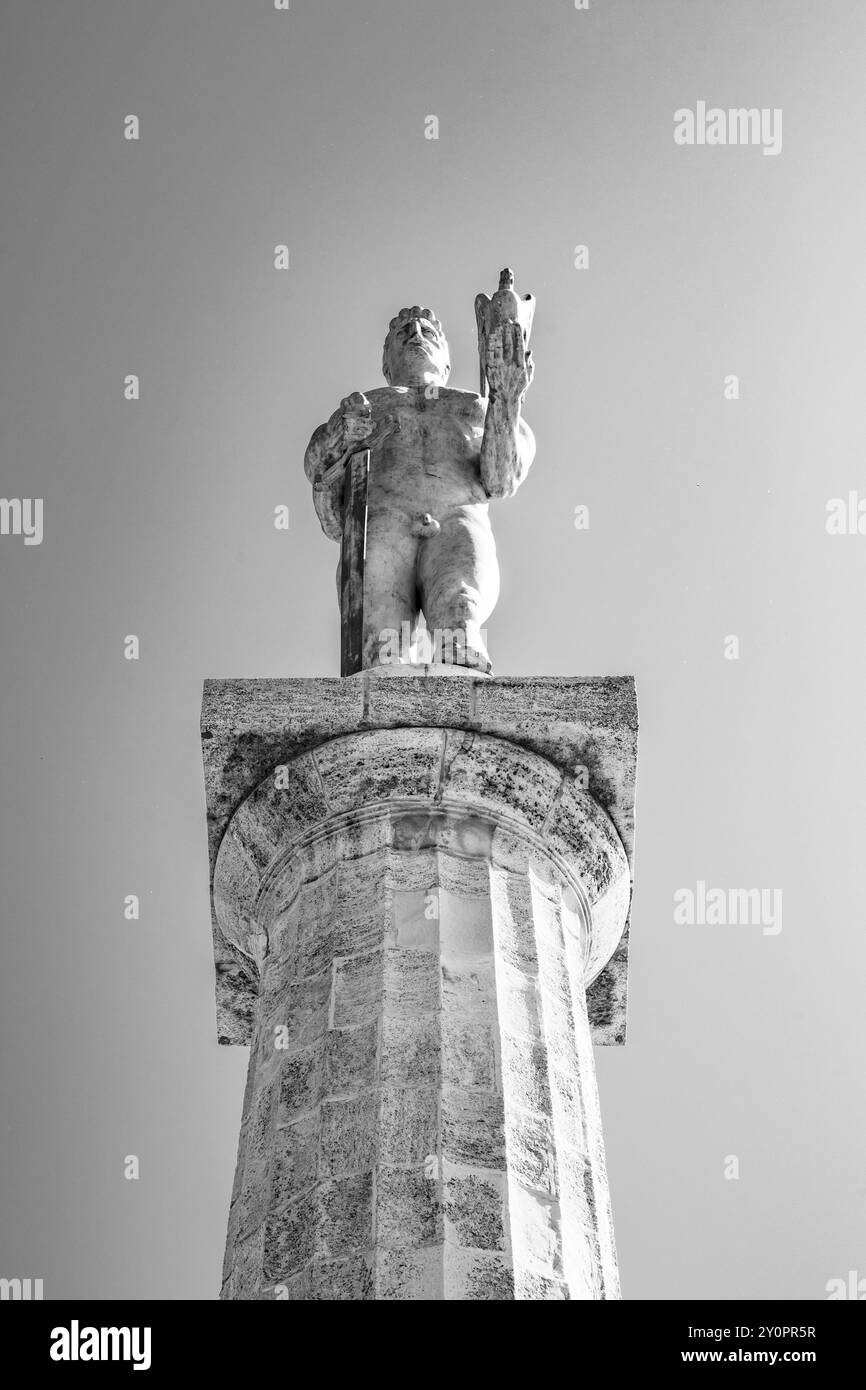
x=399 y=762
x=532 y=1150
x=358 y=988
x=410 y=1274
x=408 y=1124
x=351 y=1058
x=350 y=1279
x=301 y=1081
x=469 y=987
x=296 y=1158
x=518 y=778
x=290 y=1238
x=251 y=727
x=421 y=1102
x=411 y=983
x=472 y=1128
x=300 y=1015
x=408 y=1210
x=464 y=928
x=414 y=702
x=476 y=1209
x=344 y=1214
x=477 y=1275
x=411 y=1052
x=349 y=1134
x=416 y=920
x=468 y=1054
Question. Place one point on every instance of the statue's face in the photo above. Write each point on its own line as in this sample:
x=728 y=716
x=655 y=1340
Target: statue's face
x=416 y=354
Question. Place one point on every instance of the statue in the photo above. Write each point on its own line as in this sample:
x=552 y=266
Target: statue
x=403 y=476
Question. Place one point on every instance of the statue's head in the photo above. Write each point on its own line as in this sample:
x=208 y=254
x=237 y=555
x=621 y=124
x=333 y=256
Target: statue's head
x=416 y=351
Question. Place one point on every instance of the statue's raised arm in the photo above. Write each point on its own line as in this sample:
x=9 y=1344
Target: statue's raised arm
x=508 y=446
x=504 y=325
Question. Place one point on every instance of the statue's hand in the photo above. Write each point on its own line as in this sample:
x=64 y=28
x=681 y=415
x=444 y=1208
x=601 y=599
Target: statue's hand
x=351 y=424
x=509 y=365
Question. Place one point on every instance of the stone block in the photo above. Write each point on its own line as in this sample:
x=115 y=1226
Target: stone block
x=536 y=1235
x=296 y=1159
x=358 y=989
x=410 y=1051
x=465 y=928
x=408 y=1124
x=475 y=1207
x=416 y=920
x=351 y=1058
x=396 y=702
x=525 y=1079
x=343 y=1210
x=413 y=869
x=468 y=877
x=530 y=1286
x=348 y=1135
x=410 y=1274
x=468 y=1053
x=301 y=1078
x=513 y=925
x=499 y=786
x=477 y=1275
x=350 y=1279
x=247 y=1273
x=294 y=1288
x=531 y=1150
x=411 y=983
x=363 y=913
x=408 y=1211
x=405 y=762
x=262 y=1117
x=299 y=1018
x=290 y=1238
x=315 y=943
x=469 y=987
x=472 y=1129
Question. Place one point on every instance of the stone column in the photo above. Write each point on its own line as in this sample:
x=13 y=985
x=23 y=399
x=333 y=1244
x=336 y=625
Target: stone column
x=419 y=912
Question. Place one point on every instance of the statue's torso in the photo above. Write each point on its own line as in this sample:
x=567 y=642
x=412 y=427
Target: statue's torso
x=430 y=460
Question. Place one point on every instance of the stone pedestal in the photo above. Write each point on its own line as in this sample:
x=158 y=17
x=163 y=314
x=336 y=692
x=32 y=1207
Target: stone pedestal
x=412 y=914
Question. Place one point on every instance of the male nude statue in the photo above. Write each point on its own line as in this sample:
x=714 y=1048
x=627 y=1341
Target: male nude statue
x=438 y=456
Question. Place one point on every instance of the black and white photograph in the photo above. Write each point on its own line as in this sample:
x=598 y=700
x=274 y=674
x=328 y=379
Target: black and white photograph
x=432 y=576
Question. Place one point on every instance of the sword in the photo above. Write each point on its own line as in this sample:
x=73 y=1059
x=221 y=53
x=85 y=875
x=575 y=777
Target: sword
x=354 y=467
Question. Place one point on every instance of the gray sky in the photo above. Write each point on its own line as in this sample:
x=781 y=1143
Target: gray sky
x=707 y=519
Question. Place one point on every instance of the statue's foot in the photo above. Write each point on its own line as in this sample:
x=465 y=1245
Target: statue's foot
x=479 y=660
x=456 y=647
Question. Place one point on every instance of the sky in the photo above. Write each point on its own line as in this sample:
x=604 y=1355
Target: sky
x=707 y=505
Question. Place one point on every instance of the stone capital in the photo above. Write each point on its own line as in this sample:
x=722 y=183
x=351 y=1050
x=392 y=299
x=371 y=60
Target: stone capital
x=550 y=758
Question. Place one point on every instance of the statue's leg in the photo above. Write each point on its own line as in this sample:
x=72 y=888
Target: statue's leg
x=458 y=576
x=390 y=589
